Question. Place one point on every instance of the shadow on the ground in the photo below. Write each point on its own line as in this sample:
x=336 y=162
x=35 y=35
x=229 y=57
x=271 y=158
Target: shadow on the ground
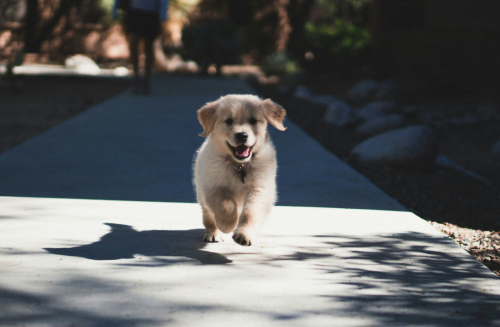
x=411 y=279
x=164 y=246
x=387 y=280
x=88 y=301
x=23 y=308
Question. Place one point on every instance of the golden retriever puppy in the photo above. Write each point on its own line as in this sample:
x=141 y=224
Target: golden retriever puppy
x=235 y=168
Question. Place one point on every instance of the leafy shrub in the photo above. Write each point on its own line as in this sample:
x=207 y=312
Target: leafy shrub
x=331 y=46
x=338 y=39
x=279 y=63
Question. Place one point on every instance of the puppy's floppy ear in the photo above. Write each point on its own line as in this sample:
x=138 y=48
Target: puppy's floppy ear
x=274 y=114
x=207 y=116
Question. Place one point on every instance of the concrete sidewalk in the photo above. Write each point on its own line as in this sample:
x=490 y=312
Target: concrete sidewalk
x=99 y=227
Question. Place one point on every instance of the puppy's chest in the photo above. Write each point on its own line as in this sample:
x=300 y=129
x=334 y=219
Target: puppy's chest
x=241 y=172
x=239 y=175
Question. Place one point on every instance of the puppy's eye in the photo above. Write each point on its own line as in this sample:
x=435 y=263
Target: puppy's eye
x=253 y=121
x=229 y=121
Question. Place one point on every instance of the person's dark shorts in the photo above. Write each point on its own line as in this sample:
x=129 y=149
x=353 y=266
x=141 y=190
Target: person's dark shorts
x=145 y=24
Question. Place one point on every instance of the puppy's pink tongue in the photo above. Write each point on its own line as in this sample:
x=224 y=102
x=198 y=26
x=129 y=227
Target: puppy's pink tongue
x=243 y=151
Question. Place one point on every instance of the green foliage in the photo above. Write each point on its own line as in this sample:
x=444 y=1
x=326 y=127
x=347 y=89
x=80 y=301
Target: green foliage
x=335 y=37
x=329 y=10
x=95 y=11
x=106 y=11
x=338 y=39
x=279 y=63
x=106 y=5
x=356 y=4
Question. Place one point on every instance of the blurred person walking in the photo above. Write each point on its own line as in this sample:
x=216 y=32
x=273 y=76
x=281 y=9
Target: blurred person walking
x=142 y=23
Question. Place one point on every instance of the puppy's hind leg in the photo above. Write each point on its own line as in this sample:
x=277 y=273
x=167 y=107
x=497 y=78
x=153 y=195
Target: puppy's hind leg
x=212 y=233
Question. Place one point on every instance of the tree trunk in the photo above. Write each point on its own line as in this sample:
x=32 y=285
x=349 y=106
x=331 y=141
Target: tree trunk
x=298 y=11
x=34 y=39
x=31 y=25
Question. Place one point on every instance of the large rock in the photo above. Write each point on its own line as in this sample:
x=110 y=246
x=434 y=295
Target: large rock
x=487 y=110
x=412 y=147
x=340 y=114
x=370 y=111
x=362 y=90
x=495 y=148
x=388 y=107
x=323 y=100
x=382 y=124
x=445 y=162
x=303 y=92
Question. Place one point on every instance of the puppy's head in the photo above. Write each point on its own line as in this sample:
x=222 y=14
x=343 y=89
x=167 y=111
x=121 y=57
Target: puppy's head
x=237 y=124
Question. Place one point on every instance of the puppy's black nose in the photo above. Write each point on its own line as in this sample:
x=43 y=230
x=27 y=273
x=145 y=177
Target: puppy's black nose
x=241 y=137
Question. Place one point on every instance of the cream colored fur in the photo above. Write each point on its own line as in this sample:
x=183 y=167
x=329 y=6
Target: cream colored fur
x=227 y=203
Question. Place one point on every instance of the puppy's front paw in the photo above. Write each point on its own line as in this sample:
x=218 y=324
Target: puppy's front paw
x=242 y=238
x=213 y=237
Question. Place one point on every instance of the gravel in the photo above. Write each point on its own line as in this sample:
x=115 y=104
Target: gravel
x=482 y=245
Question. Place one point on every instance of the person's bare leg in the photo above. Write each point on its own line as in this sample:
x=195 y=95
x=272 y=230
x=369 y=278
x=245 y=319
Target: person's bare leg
x=148 y=66
x=133 y=41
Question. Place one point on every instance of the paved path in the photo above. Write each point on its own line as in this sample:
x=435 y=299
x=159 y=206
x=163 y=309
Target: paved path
x=99 y=227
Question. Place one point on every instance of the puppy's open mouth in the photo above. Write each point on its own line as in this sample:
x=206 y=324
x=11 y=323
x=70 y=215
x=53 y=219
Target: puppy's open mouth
x=241 y=152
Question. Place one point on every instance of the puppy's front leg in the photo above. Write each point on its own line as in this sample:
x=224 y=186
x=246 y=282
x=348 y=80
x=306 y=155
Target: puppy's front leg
x=223 y=205
x=212 y=233
x=253 y=216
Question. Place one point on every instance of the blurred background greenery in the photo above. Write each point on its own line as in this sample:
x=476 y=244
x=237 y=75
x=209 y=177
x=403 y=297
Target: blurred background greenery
x=447 y=43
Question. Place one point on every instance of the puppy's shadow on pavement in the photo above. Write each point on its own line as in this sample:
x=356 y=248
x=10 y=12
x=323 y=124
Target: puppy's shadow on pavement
x=165 y=247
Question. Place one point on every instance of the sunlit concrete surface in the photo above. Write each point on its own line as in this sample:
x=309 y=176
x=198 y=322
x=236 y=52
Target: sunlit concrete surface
x=70 y=262
x=98 y=227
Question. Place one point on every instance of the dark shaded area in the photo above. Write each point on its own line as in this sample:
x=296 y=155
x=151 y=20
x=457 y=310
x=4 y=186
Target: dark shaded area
x=37 y=30
x=298 y=11
x=245 y=30
x=401 y=15
x=446 y=44
x=216 y=42
x=119 y=152
x=427 y=285
x=40 y=309
x=433 y=194
x=45 y=101
x=124 y=242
